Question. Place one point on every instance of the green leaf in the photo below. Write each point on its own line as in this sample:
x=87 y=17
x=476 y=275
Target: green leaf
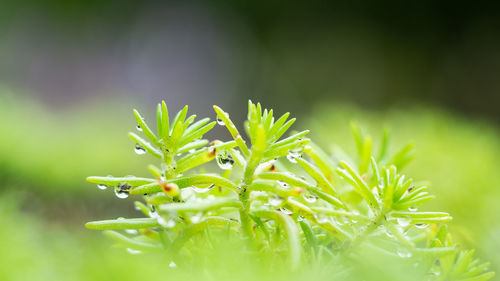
x=358 y=183
x=145 y=129
x=291 y=232
x=132 y=243
x=232 y=130
x=202 y=206
x=316 y=174
x=179 y=119
x=112 y=181
x=146 y=145
x=165 y=126
x=123 y=224
x=186 y=181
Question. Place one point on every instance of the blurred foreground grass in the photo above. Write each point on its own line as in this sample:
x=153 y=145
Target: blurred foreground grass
x=48 y=154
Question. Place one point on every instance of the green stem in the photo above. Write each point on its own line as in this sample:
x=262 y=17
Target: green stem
x=358 y=239
x=248 y=174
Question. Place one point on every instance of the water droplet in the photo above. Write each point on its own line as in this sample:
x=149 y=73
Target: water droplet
x=275 y=201
x=172 y=264
x=139 y=128
x=220 y=121
x=192 y=150
x=403 y=221
x=122 y=190
x=131 y=231
x=404 y=253
x=196 y=218
x=166 y=223
x=139 y=149
x=286 y=211
x=152 y=211
x=292 y=155
x=421 y=225
x=300 y=218
x=321 y=218
x=388 y=233
x=102 y=186
x=283 y=184
x=310 y=198
x=412 y=209
x=202 y=190
x=375 y=192
x=225 y=160
x=133 y=251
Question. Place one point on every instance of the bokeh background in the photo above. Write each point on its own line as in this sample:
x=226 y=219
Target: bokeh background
x=71 y=71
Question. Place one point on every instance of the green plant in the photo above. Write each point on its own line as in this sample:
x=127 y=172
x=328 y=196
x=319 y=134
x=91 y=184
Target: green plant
x=282 y=194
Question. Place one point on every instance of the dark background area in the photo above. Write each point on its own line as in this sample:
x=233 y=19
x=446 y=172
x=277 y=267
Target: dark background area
x=374 y=53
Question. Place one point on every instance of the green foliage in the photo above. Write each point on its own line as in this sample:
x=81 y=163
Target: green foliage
x=282 y=195
x=49 y=150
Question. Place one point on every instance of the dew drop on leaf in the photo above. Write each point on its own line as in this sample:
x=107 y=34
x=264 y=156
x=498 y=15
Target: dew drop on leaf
x=292 y=155
x=285 y=211
x=275 y=201
x=403 y=221
x=388 y=233
x=133 y=251
x=404 y=253
x=122 y=190
x=131 y=231
x=421 y=225
x=310 y=198
x=220 y=121
x=196 y=218
x=172 y=264
x=139 y=128
x=139 y=149
x=102 y=186
x=202 y=190
x=321 y=218
x=225 y=160
x=165 y=223
x=283 y=184
x=412 y=209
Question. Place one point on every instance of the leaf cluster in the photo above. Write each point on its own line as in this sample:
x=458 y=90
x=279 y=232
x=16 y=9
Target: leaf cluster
x=280 y=194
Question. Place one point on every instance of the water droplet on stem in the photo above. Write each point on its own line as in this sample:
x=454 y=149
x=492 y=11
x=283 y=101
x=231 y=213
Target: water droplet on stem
x=310 y=198
x=403 y=221
x=225 y=160
x=133 y=251
x=122 y=190
x=292 y=155
x=202 y=190
x=220 y=121
x=139 y=149
x=404 y=253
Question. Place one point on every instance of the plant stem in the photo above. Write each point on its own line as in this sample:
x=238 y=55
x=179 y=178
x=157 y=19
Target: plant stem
x=248 y=173
x=363 y=234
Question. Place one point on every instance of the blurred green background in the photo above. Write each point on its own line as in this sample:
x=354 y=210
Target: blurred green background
x=71 y=71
